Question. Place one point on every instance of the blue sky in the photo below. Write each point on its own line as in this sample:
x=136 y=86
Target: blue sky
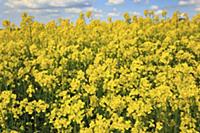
x=46 y=10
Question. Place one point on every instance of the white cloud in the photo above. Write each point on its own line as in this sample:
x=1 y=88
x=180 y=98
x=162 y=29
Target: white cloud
x=38 y=11
x=197 y=9
x=154 y=7
x=42 y=3
x=114 y=9
x=189 y=2
x=181 y=2
x=96 y=15
x=73 y=10
x=48 y=6
x=136 y=1
x=113 y=14
x=61 y=3
x=196 y=3
x=115 y=2
x=6 y=12
x=51 y=10
x=96 y=12
x=135 y=13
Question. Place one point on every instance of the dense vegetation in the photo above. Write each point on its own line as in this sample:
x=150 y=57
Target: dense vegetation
x=140 y=74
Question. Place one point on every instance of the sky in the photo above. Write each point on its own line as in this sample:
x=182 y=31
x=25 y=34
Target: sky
x=46 y=10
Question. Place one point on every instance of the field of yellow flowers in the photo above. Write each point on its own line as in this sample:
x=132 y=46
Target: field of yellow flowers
x=136 y=75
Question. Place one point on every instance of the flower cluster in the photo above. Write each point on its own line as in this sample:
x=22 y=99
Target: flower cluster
x=140 y=74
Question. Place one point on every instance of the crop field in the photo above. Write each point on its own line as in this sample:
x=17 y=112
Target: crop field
x=135 y=75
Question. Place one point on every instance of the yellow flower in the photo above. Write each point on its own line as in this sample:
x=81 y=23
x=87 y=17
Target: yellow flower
x=159 y=126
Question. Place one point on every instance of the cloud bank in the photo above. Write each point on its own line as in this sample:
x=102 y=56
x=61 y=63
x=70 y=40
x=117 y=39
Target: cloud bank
x=115 y=2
